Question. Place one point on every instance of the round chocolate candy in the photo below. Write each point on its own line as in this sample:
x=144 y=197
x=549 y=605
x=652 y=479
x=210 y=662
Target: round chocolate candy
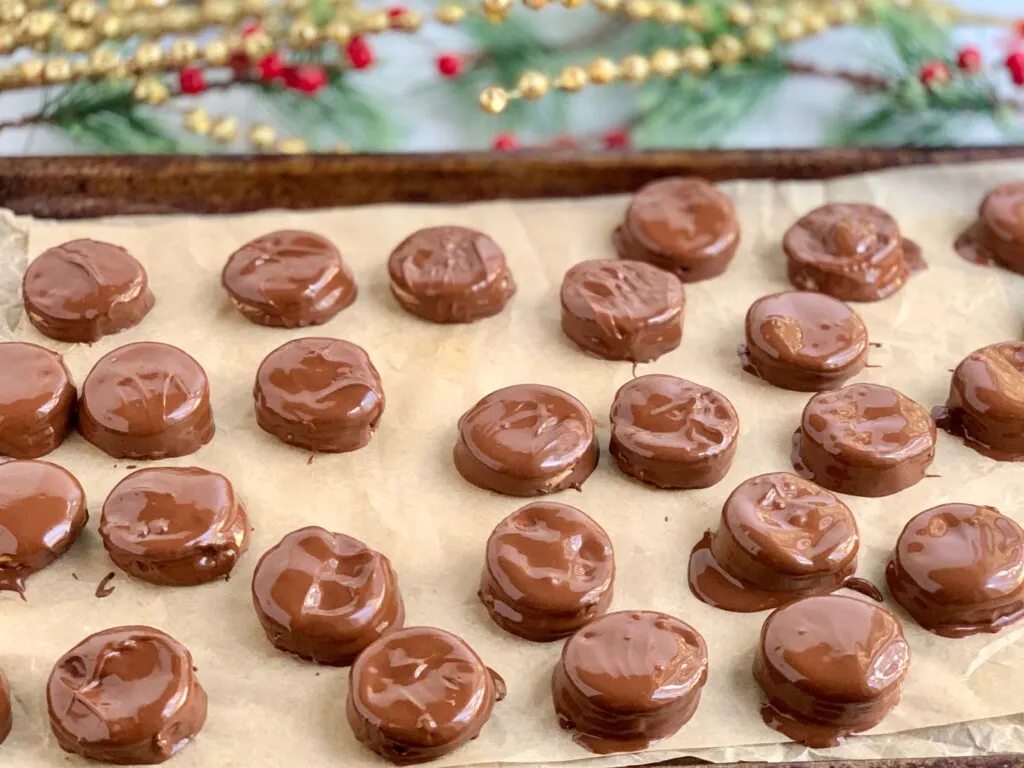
x=807 y=342
x=37 y=400
x=419 y=694
x=548 y=571
x=629 y=679
x=6 y=712
x=998 y=234
x=780 y=537
x=526 y=440
x=865 y=440
x=853 y=251
x=325 y=596
x=146 y=401
x=681 y=224
x=288 y=279
x=958 y=570
x=319 y=394
x=83 y=290
x=622 y=310
x=986 y=401
x=42 y=512
x=829 y=666
x=450 y=275
x=127 y=695
x=672 y=433
x=175 y=526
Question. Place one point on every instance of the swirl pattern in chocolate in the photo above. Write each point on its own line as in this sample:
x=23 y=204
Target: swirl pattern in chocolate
x=986 y=401
x=628 y=679
x=672 y=433
x=681 y=224
x=450 y=275
x=146 y=401
x=175 y=526
x=526 y=440
x=622 y=310
x=865 y=440
x=320 y=394
x=958 y=570
x=42 y=512
x=419 y=694
x=288 y=279
x=37 y=400
x=803 y=341
x=6 y=712
x=325 y=596
x=998 y=234
x=548 y=571
x=780 y=537
x=830 y=666
x=127 y=695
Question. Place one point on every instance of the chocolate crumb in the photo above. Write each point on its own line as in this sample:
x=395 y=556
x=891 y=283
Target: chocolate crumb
x=131 y=466
x=102 y=590
x=311 y=459
x=74 y=576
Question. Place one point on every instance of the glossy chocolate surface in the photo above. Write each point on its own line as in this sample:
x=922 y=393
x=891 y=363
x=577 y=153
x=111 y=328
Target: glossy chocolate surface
x=780 y=537
x=325 y=596
x=986 y=401
x=320 y=394
x=176 y=526
x=419 y=694
x=672 y=433
x=803 y=341
x=42 y=512
x=450 y=275
x=865 y=440
x=681 y=224
x=548 y=571
x=853 y=251
x=628 y=679
x=526 y=440
x=288 y=279
x=146 y=401
x=622 y=310
x=998 y=234
x=6 y=713
x=958 y=569
x=830 y=666
x=127 y=695
x=84 y=289
x=37 y=400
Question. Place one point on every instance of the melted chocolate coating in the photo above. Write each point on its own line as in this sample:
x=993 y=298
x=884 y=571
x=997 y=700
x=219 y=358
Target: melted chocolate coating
x=865 y=440
x=42 y=512
x=998 y=234
x=629 y=679
x=175 y=526
x=450 y=275
x=319 y=394
x=548 y=571
x=146 y=401
x=681 y=224
x=526 y=440
x=84 y=290
x=325 y=596
x=958 y=570
x=802 y=341
x=986 y=401
x=288 y=279
x=6 y=713
x=419 y=694
x=852 y=251
x=622 y=310
x=672 y=433
x=37 y=400
x=830 y=666
x=127 y=695
x=780 y=537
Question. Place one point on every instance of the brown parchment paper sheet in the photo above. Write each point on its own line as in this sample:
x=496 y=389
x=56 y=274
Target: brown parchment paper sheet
x=402 y=495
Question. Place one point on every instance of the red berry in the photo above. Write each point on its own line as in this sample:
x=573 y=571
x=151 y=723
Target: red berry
x=1015 y=63
x=616 y=139
x=272 y=67
x=191 y=80
x=969 y=59
x=239 y=62
x=306 y=78
x=505 y=142
x=934 y=73
x=449 y=65
x=1018 y=28
x=396 y=13
x=359 y=53
x=251 y=28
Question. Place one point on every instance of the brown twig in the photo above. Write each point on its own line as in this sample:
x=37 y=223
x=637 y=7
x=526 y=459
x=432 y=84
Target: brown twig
x=860 y=80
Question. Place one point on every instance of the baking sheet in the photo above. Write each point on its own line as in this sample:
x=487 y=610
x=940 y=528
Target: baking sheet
x=403 y=496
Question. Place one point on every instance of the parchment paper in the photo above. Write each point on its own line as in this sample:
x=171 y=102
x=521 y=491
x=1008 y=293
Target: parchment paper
x=402 y=495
